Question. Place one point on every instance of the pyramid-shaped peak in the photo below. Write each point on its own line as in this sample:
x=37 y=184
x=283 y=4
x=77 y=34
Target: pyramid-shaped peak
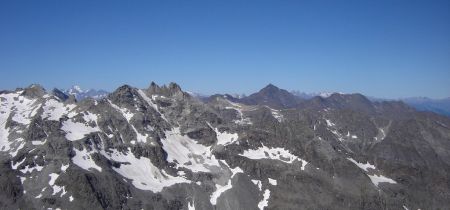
x=270 y=87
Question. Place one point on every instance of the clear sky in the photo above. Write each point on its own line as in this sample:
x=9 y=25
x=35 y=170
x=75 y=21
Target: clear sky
x=382 y=48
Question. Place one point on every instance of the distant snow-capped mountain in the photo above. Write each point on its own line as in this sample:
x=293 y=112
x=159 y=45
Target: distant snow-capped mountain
x=81 y=94
x=311 y=95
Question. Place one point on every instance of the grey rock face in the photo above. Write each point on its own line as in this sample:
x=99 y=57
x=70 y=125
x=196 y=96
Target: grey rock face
x=160 y=148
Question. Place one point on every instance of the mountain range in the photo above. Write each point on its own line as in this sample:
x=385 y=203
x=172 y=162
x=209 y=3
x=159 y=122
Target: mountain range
x=81 y=94
x=439 y=106
x=162 y=148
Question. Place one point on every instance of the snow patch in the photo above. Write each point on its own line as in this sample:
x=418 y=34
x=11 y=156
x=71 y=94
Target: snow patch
x=56 y=188
x=265 y=201
x=64 y=167
x=272 y=181
x=29 y=169
x=84 y=160
x=363 y=166
x=187 y=153
x=225 y=138
x=22 y=179
x=219 y=190
x=276 y=114
x=278 y=153
x=376 y=179
x=257 y=183
x=53 y=178
x=76 y=130
x=54 y=109
x=37 y=143
x=329 y=123
x=142 y=172
x=222 y=188
x=15 y=166
x=21 y=108
x=191 y=206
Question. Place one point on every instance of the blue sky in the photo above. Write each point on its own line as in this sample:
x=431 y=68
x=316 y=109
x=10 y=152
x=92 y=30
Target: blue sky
x=392 y=48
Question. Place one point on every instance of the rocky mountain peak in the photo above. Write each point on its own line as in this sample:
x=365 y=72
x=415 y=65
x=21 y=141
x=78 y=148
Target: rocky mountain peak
x=60 y=94
x=172 y=90
x=270 y=88
x=34 y=91
x=272 y=96
x=124 y=93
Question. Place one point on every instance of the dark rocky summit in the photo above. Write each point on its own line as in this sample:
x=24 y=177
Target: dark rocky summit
x=160 y=148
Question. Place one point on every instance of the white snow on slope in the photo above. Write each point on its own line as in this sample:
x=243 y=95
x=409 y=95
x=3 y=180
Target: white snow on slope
x=125 y=112
x=329 y=123
x=21 y=111
x=276 y=114
x=191 y=206
x=257 y=183
x=84 y=160
x=56 y=188
x=54 y=110
x=21 y=108
x=325 y=94
x=376 y=179
x=64 y=167
x=363 y=166
x=29 y=169
x=219 y=190
x=224 y=138
x=37 y=143
x=265 y=201
x=16 y=165
x=278 y=153
x=272 y=181
x=222 y=188
x=142 y=172
x=77 y=130
x=53 y=178
x=187 y=153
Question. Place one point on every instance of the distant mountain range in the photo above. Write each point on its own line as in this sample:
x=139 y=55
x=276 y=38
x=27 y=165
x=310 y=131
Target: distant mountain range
x=440 y=106
x=81 y=94
x=286 y=99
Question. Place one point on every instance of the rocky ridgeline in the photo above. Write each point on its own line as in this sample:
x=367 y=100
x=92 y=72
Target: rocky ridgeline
x=161 y=148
